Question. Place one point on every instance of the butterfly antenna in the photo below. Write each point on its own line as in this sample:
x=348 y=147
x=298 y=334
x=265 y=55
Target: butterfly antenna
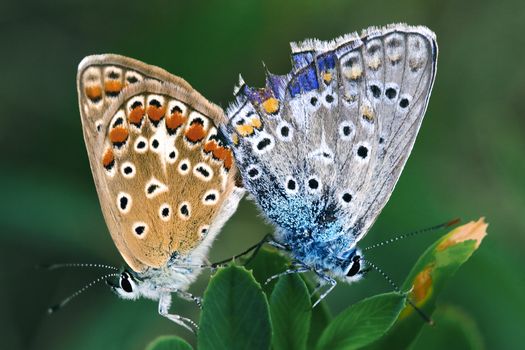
x=65 y=265
x=64 y=302
x=394 y=286
x=411 y=234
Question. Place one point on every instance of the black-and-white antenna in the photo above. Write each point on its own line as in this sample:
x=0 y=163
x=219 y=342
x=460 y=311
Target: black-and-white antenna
x=411 y=234
x=75 y=265
x=394 y=286
x=63 y=303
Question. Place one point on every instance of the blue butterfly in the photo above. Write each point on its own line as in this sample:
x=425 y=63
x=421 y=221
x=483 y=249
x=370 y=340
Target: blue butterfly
x=321 y=148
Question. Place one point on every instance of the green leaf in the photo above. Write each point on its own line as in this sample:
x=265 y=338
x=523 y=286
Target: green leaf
x=169 y=342
x=267 y=263
x=427 y=278
x=235 y=313
x=291 y=312
x=362 y=323
x=452 y=326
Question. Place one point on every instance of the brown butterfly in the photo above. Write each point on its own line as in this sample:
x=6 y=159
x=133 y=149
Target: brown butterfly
x=164 y=177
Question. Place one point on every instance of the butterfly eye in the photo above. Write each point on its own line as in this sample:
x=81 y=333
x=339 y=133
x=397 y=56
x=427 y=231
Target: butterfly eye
x=125 y=284
x=356 y=266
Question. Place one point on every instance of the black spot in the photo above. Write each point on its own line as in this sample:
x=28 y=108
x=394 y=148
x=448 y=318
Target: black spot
x=362 y=152
x=391 y=93
x=128 y=170
x=139 y=230
x=203 y=171
x=204 y=230
x=99 y=127
x=346 y=130
x=152 y=188
x=112 y=93
x=291 y=185
x=210 y=197
x=329 y=98
x=176 y=109
x=184 y=210
x=113 y=75
x=197 y=121
x=110 y=165
x=118 y=122
x=172 y=155
x=347 y=197
x=141 y=144
x=313 y=184
x=403 y=103
x=123 y=202
x=136 y=104
x=263 y=143
x=351 y=62
x=132 y=79
x=253 y=172
x=376 y=91
x=313 y=101
x=373 y=49
x=285 y=131
x=240 y=122
x=184 y=167
x=126 y=285
x=155 y=103
x=96 y=99
x=155 y=143
x=165 y=212
x=381 y=140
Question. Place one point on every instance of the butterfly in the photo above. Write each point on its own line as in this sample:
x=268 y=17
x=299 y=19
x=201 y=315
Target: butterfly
x=321 y=148
x=164 y=177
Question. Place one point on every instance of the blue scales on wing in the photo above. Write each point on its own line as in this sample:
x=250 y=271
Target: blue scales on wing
x=321 y=148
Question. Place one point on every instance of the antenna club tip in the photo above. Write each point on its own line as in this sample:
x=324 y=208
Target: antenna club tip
x=52 y=309
x=453 y=222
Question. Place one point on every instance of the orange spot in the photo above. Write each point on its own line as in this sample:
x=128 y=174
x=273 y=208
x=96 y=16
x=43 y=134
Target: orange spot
x=135 y=116
x=244 y=130
x=271 y=105
x=225 y=155
x=112 y=86
x=195 y=133
x=118 y=135
x=256 y=123
x=94 y=93
x=175 y=120
x=155 y=113
x=210 y=146
x=327 y=77
x=108 y=158
x=219 y=153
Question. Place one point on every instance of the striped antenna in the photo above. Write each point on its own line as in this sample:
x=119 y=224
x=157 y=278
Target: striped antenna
x=81 y=265
x=63 y=303
x=411 y=234
x=394 y=286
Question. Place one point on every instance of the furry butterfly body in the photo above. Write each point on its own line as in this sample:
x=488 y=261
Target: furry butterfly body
x=321 y=149
x=165 y=180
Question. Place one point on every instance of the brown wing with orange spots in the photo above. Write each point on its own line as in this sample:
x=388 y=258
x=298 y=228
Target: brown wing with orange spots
x=164 y=178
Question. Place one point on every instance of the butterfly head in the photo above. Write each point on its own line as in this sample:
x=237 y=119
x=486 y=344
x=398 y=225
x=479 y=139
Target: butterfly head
x=354 y=264
x=126 y=285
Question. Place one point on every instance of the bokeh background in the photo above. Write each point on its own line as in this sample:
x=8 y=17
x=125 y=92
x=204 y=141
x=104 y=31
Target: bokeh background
x=469 y=159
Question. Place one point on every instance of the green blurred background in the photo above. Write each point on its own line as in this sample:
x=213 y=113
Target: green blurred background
x=468 y=160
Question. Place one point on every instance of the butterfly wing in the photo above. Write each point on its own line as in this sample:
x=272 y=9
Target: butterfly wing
x=164 y=178
x=322 y=148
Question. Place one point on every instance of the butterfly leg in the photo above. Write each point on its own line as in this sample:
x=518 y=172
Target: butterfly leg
x=287 y=272
x=332 y=283
x=164 y=306
x=189 y=297
x=255 y=248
